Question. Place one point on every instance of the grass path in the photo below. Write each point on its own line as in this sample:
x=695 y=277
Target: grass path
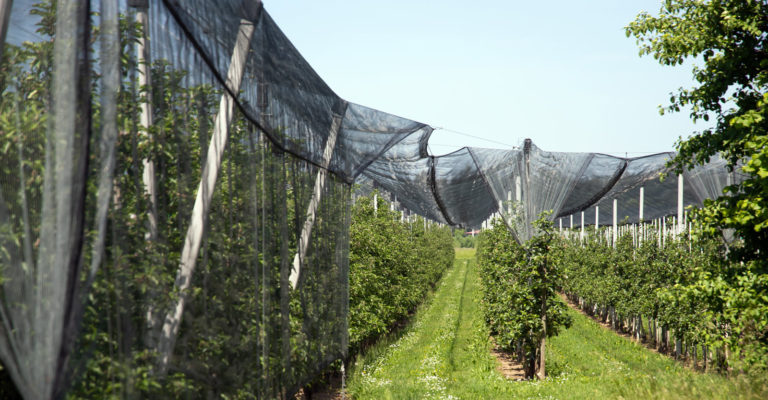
x=444 y=354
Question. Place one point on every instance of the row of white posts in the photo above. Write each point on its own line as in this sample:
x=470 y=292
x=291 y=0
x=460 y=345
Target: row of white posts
x=488 y=223
x=641 y=231
x=661 y=231
x=406 y=216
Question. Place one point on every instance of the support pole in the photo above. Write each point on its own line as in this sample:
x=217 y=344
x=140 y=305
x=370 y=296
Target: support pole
x=146 y=120
x=641 y=216
x=110 y=68
x=658 y=232
x=597 y=218
x=615 y=218
x=5 y=18
x=145 y=112
x=680 y=226
x=581 y=235
x=204 y=194
x=314 y=203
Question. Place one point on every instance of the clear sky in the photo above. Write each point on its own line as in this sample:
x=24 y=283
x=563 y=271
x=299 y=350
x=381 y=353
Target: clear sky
x=562 y=73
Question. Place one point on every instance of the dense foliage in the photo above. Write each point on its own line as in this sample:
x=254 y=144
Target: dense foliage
x=245 y=333
x=729 y=38
x=520 y=301
x=462 y=239
x=392 y=266
x=685 y=297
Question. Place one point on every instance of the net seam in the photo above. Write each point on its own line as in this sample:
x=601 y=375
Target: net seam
x=599 y=195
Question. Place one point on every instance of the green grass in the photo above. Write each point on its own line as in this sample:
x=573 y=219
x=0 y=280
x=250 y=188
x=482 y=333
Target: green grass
x=464 y=253
x=445 y=354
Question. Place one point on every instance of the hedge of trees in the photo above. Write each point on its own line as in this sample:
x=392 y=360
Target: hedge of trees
x=393 y=265
x=685 y=297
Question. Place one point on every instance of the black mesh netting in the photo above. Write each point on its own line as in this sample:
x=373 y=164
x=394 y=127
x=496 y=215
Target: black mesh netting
x=174 y=212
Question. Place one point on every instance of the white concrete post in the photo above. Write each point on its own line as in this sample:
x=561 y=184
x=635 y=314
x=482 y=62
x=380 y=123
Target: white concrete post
x=680 y=227
x=145 y=115
x=615 y=217
x=5 y=18
x=642 y=210
x=597 y=217
x=205 y=190
x=658 y=231
x=314 y=202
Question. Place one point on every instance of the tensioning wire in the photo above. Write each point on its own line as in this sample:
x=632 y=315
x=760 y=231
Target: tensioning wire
x=476 y=137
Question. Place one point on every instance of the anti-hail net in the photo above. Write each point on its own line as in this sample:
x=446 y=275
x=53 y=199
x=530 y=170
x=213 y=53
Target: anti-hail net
x=174 y=212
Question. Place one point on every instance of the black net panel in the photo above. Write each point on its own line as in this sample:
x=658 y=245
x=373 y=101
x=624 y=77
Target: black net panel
x=473 y=184
x=461 y=189
x=411 y=181
x=280 y=91
x=123 y=274
x=599 y=177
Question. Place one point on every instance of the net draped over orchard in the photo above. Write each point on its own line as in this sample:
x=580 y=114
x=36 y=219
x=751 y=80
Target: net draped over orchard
x=178 y=219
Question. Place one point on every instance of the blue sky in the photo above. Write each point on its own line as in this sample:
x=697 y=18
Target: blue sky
x=562 y=73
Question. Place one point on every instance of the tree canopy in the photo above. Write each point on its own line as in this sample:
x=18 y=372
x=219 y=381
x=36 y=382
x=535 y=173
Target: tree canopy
x=729 y=38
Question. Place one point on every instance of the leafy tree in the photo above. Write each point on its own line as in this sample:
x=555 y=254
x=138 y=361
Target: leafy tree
x=520 y=301
x=729 y=37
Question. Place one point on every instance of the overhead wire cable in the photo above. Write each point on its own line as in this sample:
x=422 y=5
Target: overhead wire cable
x=477 y=137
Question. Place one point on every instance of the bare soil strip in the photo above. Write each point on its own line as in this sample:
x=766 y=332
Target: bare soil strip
x=507 y=366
